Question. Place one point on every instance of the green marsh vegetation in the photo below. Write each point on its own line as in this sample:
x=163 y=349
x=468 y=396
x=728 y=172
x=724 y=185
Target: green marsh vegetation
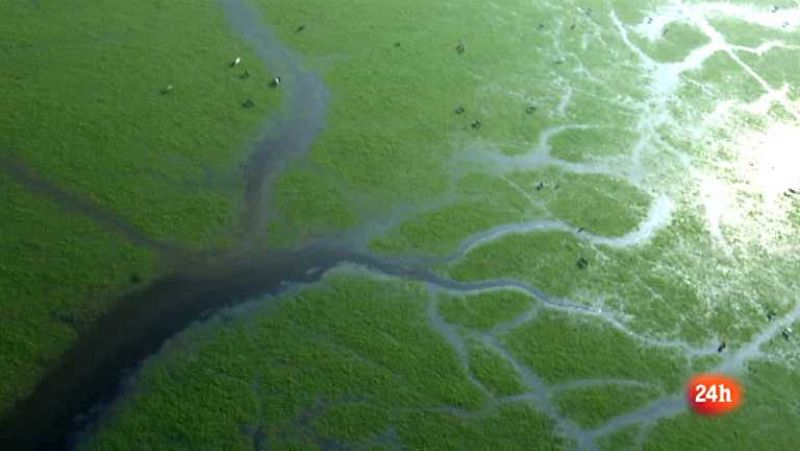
x=580 y=145
x=594 y=406
x=494 y=371
x=625 y=438
x=573 y=137
x=764 y=419
x=675 y=44
x=596 y=203
x=59 y=273
x=742 y=32
x=396 y=91
x=482 y=311
x=547 y=259
x=561 y=348
x=393 y=128
x=87 y=109
x=482 y=202
x=381 y=378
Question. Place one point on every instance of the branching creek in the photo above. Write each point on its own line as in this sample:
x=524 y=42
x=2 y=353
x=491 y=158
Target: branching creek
x=91 y=374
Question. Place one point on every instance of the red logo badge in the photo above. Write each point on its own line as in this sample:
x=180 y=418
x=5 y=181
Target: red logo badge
x=714 y=394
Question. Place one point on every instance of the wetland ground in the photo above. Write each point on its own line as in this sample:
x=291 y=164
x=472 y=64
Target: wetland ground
x=452 y=225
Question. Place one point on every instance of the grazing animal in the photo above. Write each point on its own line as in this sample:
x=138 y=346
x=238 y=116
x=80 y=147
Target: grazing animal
x=539 y=186
x=275 y=82
x=530 y=110
x=770 y=315
x=245 y=75
x=167 y=89
x=476 y=124
x=774 y=9
x=722 y=346
x=248 y=103
x=582 y=263
x=300 y=28
x=460 y=48
x=580 y=229
x=786 y=333
x=236 y=62
x=459 y=110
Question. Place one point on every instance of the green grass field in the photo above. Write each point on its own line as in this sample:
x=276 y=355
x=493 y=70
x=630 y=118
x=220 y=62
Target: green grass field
x=83 y=85
x=593 y=196
x=84 y=110
x=44 y=302
x=606 y=402
x=483 y=311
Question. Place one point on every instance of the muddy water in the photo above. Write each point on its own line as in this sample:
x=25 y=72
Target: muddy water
x=290 y=134
x=91 y=372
